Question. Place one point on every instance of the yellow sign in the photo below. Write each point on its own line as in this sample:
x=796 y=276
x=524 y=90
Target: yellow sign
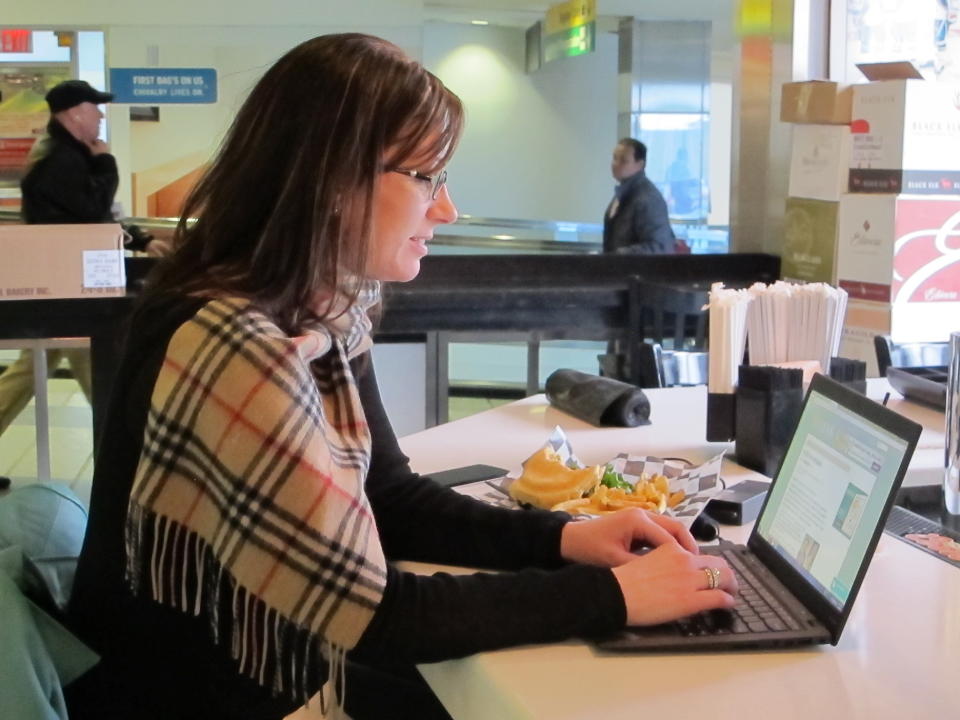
x=754 y=17
x=569 y=15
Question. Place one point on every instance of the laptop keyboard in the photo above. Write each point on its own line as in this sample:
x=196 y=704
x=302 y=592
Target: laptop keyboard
x=757 y=609
x=907 y=526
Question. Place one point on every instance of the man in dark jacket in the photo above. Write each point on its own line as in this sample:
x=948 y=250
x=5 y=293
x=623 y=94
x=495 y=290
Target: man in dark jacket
x=636 y=221
x=71 y=178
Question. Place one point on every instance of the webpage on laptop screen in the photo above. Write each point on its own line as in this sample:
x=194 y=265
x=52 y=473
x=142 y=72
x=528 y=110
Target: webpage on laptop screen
x=827 y=501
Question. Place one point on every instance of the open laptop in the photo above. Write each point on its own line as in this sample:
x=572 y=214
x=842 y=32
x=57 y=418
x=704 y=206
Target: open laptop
x=814 y=538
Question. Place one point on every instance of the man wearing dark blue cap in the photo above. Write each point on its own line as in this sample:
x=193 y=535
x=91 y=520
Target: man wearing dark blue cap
x=71 y=178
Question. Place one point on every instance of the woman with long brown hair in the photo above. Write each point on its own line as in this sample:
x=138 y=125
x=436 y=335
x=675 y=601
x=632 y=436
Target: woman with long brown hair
x=250 y=497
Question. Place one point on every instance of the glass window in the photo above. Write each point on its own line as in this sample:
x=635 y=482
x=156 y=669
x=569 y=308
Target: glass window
x=925 y=32
x=678 y=151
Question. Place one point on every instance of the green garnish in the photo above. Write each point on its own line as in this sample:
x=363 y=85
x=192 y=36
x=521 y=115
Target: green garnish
x=613 y=479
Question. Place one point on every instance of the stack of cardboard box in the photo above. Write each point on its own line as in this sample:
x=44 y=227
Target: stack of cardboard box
x=891 y=235
x=819 y=166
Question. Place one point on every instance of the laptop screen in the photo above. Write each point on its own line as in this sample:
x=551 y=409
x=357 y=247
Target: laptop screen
x=829 y=495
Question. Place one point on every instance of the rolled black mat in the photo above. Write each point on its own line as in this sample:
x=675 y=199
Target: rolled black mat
x=598 y=400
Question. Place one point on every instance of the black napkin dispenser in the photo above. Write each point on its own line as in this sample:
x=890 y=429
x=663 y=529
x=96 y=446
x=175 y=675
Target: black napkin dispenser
x=721 y=417
x=769 y=400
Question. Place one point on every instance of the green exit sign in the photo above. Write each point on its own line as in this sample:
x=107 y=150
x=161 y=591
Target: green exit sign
x=570 y=42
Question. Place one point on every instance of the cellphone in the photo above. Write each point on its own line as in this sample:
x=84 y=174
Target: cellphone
x=466 y=474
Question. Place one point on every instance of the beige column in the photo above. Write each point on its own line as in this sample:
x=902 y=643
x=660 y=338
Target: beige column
x=779 y=41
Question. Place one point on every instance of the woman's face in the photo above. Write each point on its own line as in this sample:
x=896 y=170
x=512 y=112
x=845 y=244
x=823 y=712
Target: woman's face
x=404 y=218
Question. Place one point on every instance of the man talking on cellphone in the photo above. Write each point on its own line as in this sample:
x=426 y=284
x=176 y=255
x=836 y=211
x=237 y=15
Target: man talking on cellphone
x=71 y=178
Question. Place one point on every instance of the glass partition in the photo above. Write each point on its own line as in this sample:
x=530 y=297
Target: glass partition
x=500 y=236
x=925 y=32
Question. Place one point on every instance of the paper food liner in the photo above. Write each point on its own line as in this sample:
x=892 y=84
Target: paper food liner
x=698 y=482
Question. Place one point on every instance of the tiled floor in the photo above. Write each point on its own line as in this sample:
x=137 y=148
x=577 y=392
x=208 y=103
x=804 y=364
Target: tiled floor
x=71 y=441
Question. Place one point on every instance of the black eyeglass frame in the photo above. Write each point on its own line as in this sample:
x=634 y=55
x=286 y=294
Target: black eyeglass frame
x=436 y=181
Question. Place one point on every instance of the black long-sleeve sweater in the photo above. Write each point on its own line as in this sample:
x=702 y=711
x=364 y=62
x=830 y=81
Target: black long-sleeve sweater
x=162 y=660
x=69 y=184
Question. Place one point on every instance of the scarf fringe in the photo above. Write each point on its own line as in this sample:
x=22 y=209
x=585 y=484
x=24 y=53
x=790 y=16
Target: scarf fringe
x=177 y=568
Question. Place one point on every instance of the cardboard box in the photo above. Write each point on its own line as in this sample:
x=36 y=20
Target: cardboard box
x=906 y=133
x=903 y=251
x=820 y=161
x=810 y=241
x=61 y=261
x=816 y=101
x=864 y=320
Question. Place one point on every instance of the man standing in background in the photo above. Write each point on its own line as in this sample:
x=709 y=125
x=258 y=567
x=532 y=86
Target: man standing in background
x=636 y=221
x=71 y=178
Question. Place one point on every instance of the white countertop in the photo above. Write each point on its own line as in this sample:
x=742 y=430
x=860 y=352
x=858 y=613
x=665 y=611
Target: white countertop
x=899 y=656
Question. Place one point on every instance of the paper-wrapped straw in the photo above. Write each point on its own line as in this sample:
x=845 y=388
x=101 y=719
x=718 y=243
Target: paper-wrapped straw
x=790 y=323
x=728 y=335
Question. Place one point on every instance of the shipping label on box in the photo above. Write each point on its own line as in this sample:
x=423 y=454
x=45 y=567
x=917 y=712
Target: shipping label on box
x=61 y=261
x=904 y=251
x=810 y=241
x=906 y=138
x=820 y=161
x=816 y=101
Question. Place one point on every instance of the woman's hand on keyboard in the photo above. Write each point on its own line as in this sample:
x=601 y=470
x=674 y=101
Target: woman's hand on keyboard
x=670 y=583
x=608 y=540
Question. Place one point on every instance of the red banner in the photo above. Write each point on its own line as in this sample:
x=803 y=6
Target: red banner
x=926 y=263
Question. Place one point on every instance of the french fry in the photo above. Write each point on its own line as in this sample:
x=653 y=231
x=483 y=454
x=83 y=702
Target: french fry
x=661 y=484
x=572 y=506
x=650 y=493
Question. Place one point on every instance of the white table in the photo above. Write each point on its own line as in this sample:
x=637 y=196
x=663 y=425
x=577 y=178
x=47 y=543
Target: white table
x=899 y=656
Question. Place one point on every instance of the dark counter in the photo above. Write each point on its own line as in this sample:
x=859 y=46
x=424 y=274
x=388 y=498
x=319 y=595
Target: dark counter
x=578 y=296
x=555 y=296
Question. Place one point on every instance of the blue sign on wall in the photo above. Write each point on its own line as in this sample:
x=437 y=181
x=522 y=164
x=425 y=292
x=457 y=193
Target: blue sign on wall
x=153 y=86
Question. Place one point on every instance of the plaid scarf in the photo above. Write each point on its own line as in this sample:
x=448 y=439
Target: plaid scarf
x=248 y=504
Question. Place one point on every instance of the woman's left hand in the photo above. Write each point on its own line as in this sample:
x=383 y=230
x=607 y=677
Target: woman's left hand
x=607 y=540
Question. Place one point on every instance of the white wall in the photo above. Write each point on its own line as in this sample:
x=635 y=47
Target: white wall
x=69 y=14
x=240 y=56
x=536 y=146
x=237 y=39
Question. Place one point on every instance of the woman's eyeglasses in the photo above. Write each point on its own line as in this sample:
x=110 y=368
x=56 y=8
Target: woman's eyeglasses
x=436 y=181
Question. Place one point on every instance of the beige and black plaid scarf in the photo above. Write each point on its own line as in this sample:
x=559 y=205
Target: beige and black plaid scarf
x=248 y=503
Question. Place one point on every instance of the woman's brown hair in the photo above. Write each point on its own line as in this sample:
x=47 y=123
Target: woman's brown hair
x=283 y=214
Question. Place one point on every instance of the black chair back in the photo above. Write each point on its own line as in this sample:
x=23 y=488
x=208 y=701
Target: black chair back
x=889 y=354
x=658 y=368
x=670 y=317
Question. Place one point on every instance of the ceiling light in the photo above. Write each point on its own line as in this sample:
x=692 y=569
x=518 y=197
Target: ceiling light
x=479 y=22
